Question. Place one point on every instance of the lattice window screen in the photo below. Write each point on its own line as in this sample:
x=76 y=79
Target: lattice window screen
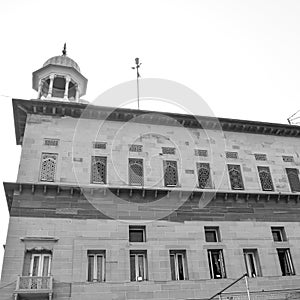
x=260 y=156
x=235 y=176
x=98 y=169
x=265 y=178
x=230 y=154
x=135 y=148
x=136 y=173
x=48 y=167
x=99 y=145
x=293 y=176
x=204 y=178
x=288 y=158
x=201 y=152
x=168 y=150
x=51 y=142
x=170 y=173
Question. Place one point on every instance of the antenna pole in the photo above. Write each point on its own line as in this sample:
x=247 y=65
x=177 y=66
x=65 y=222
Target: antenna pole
x=137 y=66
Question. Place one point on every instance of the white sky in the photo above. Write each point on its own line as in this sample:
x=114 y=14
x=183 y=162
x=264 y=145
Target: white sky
x=242 y=57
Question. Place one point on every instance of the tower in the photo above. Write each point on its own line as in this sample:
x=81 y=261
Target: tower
x=59 y=79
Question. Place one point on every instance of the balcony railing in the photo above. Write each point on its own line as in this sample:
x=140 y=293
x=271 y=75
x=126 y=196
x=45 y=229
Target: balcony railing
x=34 y=285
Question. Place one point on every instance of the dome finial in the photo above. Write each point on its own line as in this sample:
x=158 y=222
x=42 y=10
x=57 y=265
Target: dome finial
x=64 y=51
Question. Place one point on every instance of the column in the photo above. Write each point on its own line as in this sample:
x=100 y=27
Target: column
x=50 y=86
x=77 y=93
x=40 y=88
x=68 y=79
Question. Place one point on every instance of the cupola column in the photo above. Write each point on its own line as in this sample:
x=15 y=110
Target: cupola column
x=68 y=79
x=77 y=93
x=40 y=88
x=51 y=85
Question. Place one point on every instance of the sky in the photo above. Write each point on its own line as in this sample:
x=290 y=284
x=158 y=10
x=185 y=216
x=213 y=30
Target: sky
x=241 y=56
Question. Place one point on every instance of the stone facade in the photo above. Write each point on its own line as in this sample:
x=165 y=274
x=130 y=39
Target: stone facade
x=67 y=216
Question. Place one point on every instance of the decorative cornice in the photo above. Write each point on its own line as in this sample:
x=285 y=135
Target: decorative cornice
x=12 y=189
x=82 y=110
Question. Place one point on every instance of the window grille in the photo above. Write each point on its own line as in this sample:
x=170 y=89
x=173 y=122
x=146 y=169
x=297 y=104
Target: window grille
x=252 y=262
x=230 y=154
x=204 y=177
x=138 y=265
x=293 y=177
x=48 y=167
x=96 y=265
x=216 y=264
x=235 y=176
x=285 y=262
x=287 y=158
x=178 y=264
x=99 y=145
x=260 y=156
x=136 y=173
x=135 y=148
x=51 y=142
x=168 y=150
x=98 y=169
x=170 y=173
x=201 y=152
x=265 y=178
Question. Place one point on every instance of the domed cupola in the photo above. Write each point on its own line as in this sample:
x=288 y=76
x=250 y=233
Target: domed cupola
x=59 y=79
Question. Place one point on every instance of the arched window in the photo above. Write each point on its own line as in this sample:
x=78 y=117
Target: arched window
x=265 y=178
x=136 y=171
x=98 y=169
x=48 y=167
x=204 y=178
x=170 y=173
x=59 y=85
x=235 y=176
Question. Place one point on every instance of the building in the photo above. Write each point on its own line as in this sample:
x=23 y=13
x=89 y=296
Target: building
x=172 y=206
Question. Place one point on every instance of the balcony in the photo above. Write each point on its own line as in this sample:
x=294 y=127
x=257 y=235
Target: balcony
x=35 y=286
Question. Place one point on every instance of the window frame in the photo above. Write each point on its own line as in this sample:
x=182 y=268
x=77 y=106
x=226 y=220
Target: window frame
x=281 y=231
x=209 y=183
x=265 y=169
x=289 y=261
x=216 y=230
x=95 y=254
x=93 y=161
x=165 y=165
x=222 y=263
x=137 y=228
x=55 y=159
x=253 y=253
x=241 y=174
x=136 y=254
x=130 y=170
x=41 y=262
x=176 y=254
x=293 y=188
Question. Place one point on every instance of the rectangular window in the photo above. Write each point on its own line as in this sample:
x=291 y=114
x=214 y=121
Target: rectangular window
x=48 y=167
x=96 y=265
x=230 y=154
x=98 y=169
x=287 y=158
x=37 y=263
x=170 y=173
x=260 y=156
x=265 y=178
x=285 y=262
x=204 y=176
x=293 y=177
x=235 y=176
x=136 y=171
x=278 y=234
x=99 y=145
x=201 y=152
x=135 y=148
x=216 y=264
x=168 y=150
x=178 y=265
x=252 y=262
x=51 y=142
x=212 y=234
x=138 y=265
x=137 y=234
